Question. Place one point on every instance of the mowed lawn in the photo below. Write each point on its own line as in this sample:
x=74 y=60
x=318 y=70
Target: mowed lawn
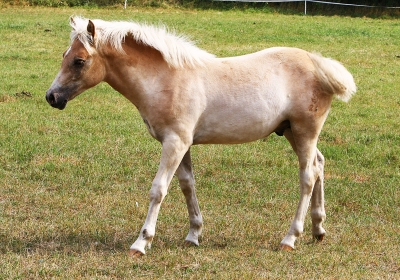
x=74 y=184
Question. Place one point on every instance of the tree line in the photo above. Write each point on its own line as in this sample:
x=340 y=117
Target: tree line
x=287 y=7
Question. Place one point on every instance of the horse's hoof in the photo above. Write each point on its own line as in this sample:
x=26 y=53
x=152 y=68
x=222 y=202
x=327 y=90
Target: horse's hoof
x=189 y=244
x=319 y=237
x=135 y=253
x=286 y=248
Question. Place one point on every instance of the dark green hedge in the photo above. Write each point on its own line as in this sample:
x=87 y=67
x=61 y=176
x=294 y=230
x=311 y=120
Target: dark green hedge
x=331 y=9
x=288 y=7
x=385 y=3
x=94 y=3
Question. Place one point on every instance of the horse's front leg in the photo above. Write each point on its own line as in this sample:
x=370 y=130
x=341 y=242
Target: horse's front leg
x=173 y=150
x=186 y=182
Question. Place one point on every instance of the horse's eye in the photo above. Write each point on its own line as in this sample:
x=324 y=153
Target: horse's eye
x=79 y=62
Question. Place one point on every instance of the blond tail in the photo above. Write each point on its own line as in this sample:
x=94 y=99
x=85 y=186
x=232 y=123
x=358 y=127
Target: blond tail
x=333 y=77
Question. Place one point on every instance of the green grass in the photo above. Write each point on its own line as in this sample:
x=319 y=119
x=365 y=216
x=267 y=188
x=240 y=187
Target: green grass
x=74 y=184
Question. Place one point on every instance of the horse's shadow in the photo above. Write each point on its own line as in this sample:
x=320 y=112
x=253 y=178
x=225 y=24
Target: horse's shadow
x=80 y=243
x=71 y=242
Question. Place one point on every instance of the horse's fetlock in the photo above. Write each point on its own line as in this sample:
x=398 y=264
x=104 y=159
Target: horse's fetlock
x=296 y=229
x=196 y=223
x=147 y=236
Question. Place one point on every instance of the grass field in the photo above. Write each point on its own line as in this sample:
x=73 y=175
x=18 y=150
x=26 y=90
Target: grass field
x=74 y=184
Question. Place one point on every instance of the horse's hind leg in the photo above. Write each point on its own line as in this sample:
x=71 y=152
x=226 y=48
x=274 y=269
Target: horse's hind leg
x=305 y=147
x=317 y=201
x=186 y=182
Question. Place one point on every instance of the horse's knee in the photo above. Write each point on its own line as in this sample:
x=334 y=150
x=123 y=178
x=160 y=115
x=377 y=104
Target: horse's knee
x=185 y=178
x=186 y=182
x=157 y=193
x=187 y=186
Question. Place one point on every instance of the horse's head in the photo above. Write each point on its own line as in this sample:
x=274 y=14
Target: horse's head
x=81 y=68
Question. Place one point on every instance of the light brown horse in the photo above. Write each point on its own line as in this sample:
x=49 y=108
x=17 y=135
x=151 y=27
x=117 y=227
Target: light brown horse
x=186 y=96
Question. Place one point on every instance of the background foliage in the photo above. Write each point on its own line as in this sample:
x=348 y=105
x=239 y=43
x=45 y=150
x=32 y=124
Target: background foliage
x=297 y=7
x=329 y=9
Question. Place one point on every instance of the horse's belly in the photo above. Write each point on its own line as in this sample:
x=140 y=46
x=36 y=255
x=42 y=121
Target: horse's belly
x=236 y=129
x=243 y=103
x=228 y=138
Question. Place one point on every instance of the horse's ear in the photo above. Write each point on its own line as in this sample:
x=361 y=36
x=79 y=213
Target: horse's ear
x=91 y=30
x=72 y=22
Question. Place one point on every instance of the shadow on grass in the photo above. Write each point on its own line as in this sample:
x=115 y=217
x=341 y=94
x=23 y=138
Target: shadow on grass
x=70 y=243
x=109 y=243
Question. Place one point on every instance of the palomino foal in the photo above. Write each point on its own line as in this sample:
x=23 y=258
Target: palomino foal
x=186 y=96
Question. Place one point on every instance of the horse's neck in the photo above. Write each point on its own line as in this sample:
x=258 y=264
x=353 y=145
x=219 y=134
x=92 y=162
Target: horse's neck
x=136 y=72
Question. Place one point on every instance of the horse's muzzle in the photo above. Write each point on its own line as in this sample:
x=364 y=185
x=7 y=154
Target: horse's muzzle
x=56 y=100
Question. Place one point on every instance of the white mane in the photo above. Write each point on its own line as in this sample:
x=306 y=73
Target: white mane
x=176 y=50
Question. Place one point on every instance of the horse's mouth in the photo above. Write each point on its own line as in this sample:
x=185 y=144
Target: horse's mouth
x=60 y=106
x=56 y=101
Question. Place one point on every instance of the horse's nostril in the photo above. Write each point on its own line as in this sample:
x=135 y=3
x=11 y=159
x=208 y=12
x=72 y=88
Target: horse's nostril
x=50 y=98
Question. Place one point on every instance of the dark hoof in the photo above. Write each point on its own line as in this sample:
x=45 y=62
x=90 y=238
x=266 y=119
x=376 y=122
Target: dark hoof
x=319 y=237
x=189 y=244
x=286 y=248
x=135 y=253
